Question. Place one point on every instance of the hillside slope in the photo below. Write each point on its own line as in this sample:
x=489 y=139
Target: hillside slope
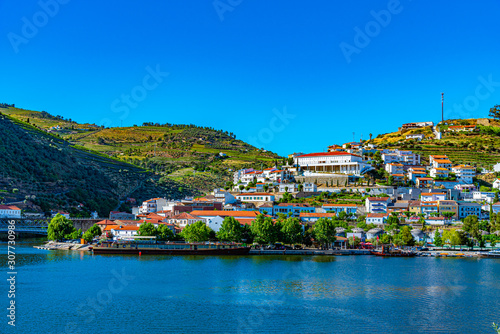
x=480 y=148
x=195 y=156
x=53 y=174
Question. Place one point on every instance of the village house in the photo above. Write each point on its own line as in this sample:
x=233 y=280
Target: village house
x=377 y=204
x=448 y=206
x=417 y=136
x=439 y=172
x=429 y=207
x=309 y=217
x=496 y=184
x=376 y=218
x=459 y=128
x=428 y=197
x=255 y=197
x=124 y=231
x=394 y=168
x=10 y=211
x=467 y=209
x=184 y=219
x=332 y=162
x=441 y=163
x=424 y=182
x=152 y=205
x=293 y=208
x=338 y=208
x=464 y=173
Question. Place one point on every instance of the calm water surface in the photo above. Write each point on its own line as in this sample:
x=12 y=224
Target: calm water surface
x=71 y=292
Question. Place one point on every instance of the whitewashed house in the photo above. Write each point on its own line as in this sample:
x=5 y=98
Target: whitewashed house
x=10 y=211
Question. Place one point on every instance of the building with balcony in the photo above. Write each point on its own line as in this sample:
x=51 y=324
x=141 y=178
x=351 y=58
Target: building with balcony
x=331 y=162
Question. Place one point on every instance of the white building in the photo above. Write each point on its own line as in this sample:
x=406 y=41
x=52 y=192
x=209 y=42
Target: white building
x=394 y=168
x=331 y=162
x=417 y=136
x=377 y=204
x=10 y=211
x=464 y=173
x=184 y=219
x=288 y=188
x=439 y=172
x=224 y=196
x=432 y=197
x=152 y=205
x=441 y=163
x=403 y=157
x=124 y=231
x=376 y=218
x=309 y=187
x=255 y=197
x=496 y=184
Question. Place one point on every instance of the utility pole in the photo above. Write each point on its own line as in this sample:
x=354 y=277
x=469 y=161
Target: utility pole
x=442 y=107
x=353 y=135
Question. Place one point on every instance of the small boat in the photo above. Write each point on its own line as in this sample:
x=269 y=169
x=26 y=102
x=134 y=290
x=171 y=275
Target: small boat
x=153 y=247
x=391 y=252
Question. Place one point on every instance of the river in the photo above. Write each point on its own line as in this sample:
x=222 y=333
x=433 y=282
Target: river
x=72 y=292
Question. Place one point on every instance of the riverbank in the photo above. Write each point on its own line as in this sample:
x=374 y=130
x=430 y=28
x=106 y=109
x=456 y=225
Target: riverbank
x=52 y=245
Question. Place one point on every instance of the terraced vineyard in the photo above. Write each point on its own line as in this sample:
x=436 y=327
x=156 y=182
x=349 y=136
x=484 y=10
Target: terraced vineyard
x=161 y=148
x=480 y=148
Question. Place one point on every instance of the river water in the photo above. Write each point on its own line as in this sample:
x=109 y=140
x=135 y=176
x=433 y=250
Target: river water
x=72 y=292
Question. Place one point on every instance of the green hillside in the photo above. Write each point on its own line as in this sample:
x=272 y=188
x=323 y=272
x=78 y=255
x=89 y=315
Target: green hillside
x=180 y=159
x=480 y=148
x=48 y=172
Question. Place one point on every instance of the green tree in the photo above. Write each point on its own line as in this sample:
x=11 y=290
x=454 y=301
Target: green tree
x=324 y=231
x=495 y=112
x=92 y=232
x=147 y=230
x=291 y=230
x=438 y=241
x=164 y=233
x=406 y=236
x=263 y=230
x=230 y=230
x=196 y=232
x=60 y=228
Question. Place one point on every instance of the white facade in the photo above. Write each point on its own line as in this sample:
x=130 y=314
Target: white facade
x=403 y=157
x=376 y=218
x=464 y=174
x=394 y=168
x=432 y=197
x=255 y=197
x=10 y=211
x=309 y=187
x=152 y=205
x=332 y=162
x=417 y=136
x=288 y=187
x=496 y=184
x=377 y=204
x=439 y=172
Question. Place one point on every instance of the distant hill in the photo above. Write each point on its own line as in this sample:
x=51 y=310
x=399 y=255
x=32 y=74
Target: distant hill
x=64 y=163
x=480 y=148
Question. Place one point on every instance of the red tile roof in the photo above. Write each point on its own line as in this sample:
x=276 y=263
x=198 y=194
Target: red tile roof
x=249 y=214
x=317 y=214
x=9 y=207
x=322 y=154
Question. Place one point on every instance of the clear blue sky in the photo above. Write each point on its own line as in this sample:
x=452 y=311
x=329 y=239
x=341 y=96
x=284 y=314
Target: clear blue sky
x=229 y=67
